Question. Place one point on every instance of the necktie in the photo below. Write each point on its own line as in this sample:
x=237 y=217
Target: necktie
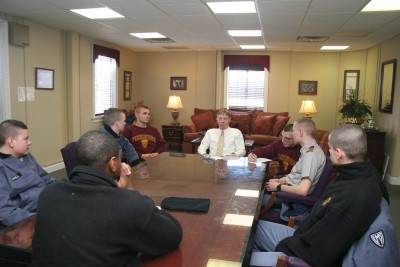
x=220 y=147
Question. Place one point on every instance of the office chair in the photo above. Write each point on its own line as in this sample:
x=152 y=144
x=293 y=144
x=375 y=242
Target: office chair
x=69 y=157
x=267 y=214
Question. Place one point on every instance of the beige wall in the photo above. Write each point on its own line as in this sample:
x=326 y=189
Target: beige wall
x=63 y=114
x=58 y=116
x=391 y=122
x=152 y=82
x=45 y=116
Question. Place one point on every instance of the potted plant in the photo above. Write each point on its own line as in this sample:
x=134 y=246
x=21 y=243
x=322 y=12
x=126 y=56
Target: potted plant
x=354 y=110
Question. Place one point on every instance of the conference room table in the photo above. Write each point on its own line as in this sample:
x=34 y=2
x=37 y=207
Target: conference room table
x=223 y=236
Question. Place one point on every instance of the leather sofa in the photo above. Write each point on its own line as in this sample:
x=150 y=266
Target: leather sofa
x=262 y=127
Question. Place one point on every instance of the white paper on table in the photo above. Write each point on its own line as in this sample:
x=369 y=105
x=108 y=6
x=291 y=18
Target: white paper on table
x=260 y=160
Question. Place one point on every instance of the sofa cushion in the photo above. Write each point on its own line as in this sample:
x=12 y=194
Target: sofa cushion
x=200 y=110
x=203 y=121
x=263 y=125
x=280 y=123
x=241 y=120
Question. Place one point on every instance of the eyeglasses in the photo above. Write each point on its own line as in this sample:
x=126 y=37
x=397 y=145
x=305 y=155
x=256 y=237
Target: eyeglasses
x=286 y=138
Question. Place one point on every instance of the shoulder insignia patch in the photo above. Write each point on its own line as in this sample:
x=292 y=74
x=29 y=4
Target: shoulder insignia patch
x=310 y=149
x=378 y=238
x=326 y=201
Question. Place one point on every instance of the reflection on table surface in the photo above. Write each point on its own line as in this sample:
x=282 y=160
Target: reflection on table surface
x=19 y=235
x=222 y=234
x=16 y=243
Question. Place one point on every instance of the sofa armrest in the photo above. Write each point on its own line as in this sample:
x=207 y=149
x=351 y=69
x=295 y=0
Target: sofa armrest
x=189 y=128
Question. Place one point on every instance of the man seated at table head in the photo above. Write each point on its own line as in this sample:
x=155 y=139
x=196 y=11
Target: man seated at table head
x=90 y=221
x=21 y=177
x=147 y=140
x=223 y=141
x=345 y=211
x=285 y=151
x=305 y=173
x=114 y=124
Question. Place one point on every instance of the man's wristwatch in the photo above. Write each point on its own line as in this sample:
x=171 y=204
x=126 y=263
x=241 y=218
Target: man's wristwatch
x=278 y=188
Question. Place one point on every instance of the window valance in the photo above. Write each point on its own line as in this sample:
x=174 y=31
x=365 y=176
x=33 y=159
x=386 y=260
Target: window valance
x=99 y=50
x=244 y=62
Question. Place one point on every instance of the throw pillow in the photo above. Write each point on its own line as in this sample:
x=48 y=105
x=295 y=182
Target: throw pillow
x=203 y=121
x=241 y=120
x=280 y=123
x=263 y=124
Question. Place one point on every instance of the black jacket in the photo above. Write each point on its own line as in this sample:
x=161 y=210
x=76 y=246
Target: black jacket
x=89 y=221
x=345 y=211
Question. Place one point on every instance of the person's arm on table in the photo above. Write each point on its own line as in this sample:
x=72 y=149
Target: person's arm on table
x=162 y=234
x=301 y=189
x=204 y=145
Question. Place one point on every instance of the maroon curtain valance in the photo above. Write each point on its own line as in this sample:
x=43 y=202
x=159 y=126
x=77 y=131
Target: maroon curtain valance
x=243 y=62
x=99 y=50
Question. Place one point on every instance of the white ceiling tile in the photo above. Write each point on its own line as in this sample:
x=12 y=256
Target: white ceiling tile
x=191 y=23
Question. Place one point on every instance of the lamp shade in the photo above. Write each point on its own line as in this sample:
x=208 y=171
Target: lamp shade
x=174 y=102
x=307 y=107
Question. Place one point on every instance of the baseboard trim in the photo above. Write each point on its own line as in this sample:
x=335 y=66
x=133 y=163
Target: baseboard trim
x=54 y=167
x=392 y=180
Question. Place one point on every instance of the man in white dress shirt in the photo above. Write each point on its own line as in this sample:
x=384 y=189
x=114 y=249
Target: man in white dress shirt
x=223 y=141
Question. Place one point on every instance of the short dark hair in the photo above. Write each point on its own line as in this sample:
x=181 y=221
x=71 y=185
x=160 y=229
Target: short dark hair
x=10 y=128
x=112 y=115
x=95 y=149
x=288 y=128
x=351 y=138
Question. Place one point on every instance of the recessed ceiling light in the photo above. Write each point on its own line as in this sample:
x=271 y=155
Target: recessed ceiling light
x=97 y=13
x=334 y=47
x=244 y=33
x=382 y=5
x=147 y=35
x=232 y=7
x=252 y=46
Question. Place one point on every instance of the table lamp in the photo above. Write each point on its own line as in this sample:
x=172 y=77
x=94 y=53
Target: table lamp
x=174 y=102
x=307 y=107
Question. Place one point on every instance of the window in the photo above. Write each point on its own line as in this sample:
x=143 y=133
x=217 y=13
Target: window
x=5 y=102
x=245 y=89
x=105 y=84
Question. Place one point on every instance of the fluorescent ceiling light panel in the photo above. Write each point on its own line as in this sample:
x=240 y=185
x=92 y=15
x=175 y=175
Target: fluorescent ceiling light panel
x=252 y=47
x=334 y=47
x=98 y=13
x=232 y=7
x=147 y=35
x=382 y=5
x=245 y=33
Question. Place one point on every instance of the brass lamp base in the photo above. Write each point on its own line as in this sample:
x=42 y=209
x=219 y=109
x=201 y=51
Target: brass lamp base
x=175 y=115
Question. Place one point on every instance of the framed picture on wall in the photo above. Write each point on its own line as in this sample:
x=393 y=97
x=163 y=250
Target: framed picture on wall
x=350 y=85
x=127 y=85
x=178 y=83
x=308 y=87
x=44 y=79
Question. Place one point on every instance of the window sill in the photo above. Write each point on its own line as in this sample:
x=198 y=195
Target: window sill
x=98 y=118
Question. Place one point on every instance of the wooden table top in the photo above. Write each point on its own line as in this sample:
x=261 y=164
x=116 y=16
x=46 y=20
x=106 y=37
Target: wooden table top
x=207 y=240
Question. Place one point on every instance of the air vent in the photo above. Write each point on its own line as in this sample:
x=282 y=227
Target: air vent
x=176 y=47
x=159 y=40
x=359 y=33
x=312 y=38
